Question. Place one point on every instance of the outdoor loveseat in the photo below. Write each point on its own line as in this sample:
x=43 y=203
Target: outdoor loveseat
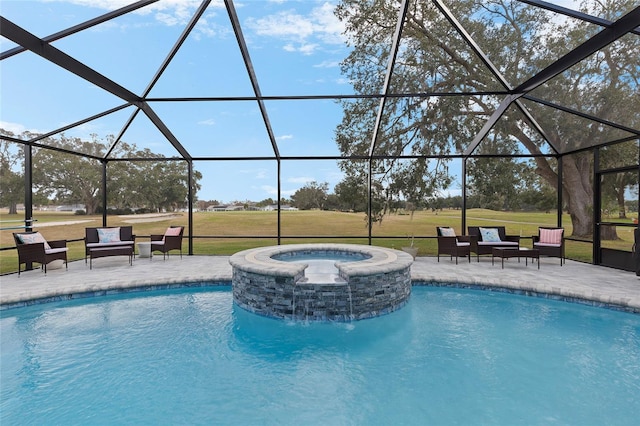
x=484 y=239
x=109 y=241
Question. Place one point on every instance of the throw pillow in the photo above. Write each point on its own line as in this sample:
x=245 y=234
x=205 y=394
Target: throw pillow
x=172 y=232
x=36 y=237
x=551 y=236
x=109 y=235
x=447 y=232
x=490 y=235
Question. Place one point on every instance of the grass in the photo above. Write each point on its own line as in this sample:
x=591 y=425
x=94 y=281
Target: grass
x=224 y=233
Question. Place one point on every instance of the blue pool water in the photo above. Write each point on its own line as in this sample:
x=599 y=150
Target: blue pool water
x=190 y=357
x=321 y=264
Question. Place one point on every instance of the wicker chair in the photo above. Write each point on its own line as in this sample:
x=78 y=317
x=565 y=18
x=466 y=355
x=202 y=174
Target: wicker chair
x=453 y=245
x=480 y=247
x=550 y=242
x=39 y=251
x=171 y=240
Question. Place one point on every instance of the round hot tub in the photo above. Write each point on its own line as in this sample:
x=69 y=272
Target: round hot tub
x=321 y=282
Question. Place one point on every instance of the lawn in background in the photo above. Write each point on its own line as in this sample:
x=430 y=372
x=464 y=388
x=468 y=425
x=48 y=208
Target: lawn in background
x=224 y=233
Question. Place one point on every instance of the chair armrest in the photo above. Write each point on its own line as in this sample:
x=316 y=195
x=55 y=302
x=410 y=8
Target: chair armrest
x=513 y=238
x=535 y=238
x=58 y=243
x=464 y=238
x=30 y=250
x=156 y=237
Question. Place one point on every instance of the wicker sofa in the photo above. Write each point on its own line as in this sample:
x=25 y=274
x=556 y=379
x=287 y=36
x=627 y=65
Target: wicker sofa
x=109 y=241
x=480 y=245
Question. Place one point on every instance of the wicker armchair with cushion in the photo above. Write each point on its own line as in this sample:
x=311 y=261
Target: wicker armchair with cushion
x=550 y=242
x=486 y=238
x=449 y=243
x=33 y=248
x=171 y=240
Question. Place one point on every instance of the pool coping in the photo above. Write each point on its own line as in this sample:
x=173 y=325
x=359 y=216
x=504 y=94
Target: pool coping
x=381 y=260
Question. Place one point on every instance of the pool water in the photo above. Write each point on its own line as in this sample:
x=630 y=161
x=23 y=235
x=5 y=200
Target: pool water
x=450 y=356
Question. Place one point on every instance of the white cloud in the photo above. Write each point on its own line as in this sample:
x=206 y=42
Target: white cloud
x=301 y=179
x=208 y=122
x=165 y=12
x=327 y=64
x=15 y=128
x=284 y=137
x=272 y=191
x=301 y=33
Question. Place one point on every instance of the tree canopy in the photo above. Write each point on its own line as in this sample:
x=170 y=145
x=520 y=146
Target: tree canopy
x=457 y=93
x=75 y=179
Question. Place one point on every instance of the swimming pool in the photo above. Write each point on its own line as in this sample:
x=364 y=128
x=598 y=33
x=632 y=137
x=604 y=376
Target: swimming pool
x=450 y=356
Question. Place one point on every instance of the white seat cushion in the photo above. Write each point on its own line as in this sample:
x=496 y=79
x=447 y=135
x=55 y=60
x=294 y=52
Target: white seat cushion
x=546 y=245
x=500 y=243
x=56 y=250
x=462 y=244
x=114 y=244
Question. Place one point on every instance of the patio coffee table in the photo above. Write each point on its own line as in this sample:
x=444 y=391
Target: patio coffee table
x=508 y=252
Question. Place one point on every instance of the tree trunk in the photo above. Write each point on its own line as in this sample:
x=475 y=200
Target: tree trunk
x=622 y=214
x=577 y=190
x=13 y=208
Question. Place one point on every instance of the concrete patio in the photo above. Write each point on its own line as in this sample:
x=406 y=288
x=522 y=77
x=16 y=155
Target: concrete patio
x=574 y=281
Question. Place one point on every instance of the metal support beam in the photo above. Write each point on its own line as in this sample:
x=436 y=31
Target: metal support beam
x=597 y=214
x=83 y=26
x=560 y=192
x=494 y=70
x=185 y=33
x=190 y=203
x=582 y=114
x=393 y=53
x=28 y=186
x=502 y=108
x=279 y=166
x=605 y=37
x=573 y=13
x=28 y=194
x=235 y=23
x=369 y=203
x=164 y=130
x=464 y=196
x=38 y=46
x=104 y=192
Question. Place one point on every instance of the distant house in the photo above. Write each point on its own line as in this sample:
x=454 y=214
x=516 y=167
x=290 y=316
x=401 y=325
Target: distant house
x=70 y=208
x=234 y=207
x=284 y=207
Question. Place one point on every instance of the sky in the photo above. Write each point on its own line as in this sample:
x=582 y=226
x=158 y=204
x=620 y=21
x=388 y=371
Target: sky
x=295 y=48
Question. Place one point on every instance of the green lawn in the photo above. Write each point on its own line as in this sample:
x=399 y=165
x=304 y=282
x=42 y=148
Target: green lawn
x=224 y=233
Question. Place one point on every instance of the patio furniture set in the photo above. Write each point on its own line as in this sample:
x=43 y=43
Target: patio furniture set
x=495 y=242
x=120 y=241
x=99 y=242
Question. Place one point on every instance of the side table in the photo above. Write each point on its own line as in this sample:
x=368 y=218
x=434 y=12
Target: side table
x=144 y=249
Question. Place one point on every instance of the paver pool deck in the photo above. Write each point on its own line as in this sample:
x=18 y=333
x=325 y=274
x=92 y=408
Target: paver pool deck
x=574 y=281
